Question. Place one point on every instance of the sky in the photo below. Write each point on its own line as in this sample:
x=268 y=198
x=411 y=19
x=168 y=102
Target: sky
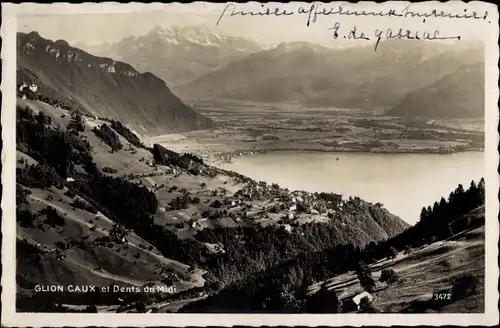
x=94 y=24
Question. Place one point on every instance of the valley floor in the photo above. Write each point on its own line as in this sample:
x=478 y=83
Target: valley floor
x=245 y=127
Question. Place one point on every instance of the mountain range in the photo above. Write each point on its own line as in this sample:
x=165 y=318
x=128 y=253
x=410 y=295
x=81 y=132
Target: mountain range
x=103 y=87
x=199 y=63
x=344 y=78
x=178 y=54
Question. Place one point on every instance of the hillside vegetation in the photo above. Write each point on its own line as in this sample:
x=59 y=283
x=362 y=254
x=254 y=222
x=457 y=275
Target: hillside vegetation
x=96 y=206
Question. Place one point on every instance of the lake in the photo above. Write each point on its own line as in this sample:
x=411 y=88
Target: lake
x=404 y=183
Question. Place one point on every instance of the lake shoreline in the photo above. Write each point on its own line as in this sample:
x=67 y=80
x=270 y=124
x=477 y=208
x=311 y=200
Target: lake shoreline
x=381 y=151
x=235 y=154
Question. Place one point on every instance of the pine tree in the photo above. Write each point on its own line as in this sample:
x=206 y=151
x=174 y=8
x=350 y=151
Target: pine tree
x=423 y=214
x=324 y=301
x=482 y=189
x=435 y=210
x=392 y=253
x=365 y=276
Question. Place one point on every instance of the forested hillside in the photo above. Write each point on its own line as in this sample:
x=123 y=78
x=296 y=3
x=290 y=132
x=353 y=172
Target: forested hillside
x=285 y=288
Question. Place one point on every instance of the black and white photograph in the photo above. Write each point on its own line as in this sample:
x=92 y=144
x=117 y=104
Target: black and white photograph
x=250 y=159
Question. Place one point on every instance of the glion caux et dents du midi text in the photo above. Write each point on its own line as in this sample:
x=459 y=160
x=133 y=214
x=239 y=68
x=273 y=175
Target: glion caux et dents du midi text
x=105 y=289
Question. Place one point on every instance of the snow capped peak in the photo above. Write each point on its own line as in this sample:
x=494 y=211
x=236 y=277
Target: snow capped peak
x=167 y=36
x=198 y=35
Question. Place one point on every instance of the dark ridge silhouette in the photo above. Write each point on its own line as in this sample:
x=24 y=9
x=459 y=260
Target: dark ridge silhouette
x=103 y=87
x=459 y=94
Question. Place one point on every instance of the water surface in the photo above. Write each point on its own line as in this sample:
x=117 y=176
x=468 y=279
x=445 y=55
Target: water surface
x=404 y=183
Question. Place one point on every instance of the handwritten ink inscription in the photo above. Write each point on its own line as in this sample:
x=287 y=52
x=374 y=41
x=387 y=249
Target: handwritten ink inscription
x=316 y=10
x=387 y=34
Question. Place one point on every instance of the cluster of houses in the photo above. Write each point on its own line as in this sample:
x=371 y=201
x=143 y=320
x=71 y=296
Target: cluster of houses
x=213 y=156
x=257 y=201
x=295 y=202
x=26 y=90
x=31 y=87
x=260 y=191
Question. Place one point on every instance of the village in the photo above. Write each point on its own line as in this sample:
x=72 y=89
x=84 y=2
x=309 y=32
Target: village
x=244 y=201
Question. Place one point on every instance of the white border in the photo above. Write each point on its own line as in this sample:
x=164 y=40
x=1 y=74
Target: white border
x=10 y=318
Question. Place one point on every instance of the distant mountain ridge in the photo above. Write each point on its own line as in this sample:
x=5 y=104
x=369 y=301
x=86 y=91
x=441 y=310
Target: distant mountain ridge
x=345 y=78
x=178 y=54
x=103 y=87
x=457 y=95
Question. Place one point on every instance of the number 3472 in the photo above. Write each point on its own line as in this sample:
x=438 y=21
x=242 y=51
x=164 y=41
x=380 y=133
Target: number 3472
x=442 y=297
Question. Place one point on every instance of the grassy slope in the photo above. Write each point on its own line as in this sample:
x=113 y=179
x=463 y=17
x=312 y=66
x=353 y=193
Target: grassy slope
x=118 y=266
x=428 y=270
